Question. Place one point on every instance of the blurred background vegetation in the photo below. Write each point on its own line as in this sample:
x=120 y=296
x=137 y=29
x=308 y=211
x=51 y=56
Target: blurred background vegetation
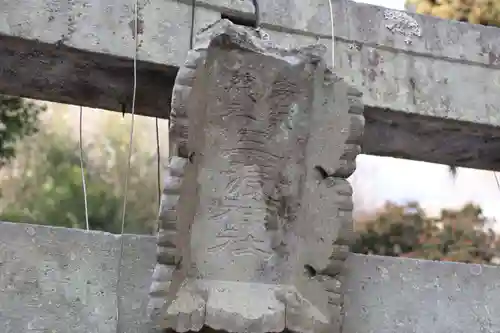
x=462 y=235
x=485 y=12
x=40 y=183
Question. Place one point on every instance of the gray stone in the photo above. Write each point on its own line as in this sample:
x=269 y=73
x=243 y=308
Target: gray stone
x=135 y=279
x=420 y=76
x=244 y=8
x=54 y=278
x=257 y=131
x=80 y=52
x=384 y=294
x=43 y=270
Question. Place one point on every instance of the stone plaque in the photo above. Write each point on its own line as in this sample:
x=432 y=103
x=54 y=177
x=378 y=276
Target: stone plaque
x=253 y=205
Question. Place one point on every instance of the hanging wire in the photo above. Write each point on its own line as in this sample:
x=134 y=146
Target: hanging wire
x=84 y=185
x=158 y=175
x=496 y=179
x=158 y=161
x=120 y=257
x=132 y=123
x=333 y=32
x=191 y=32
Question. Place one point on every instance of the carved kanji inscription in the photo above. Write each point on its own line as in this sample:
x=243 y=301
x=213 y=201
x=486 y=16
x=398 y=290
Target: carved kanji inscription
x=256 y=222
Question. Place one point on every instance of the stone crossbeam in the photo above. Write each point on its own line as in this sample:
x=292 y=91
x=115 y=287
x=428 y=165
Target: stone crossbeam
x=430 y=87
x=55 y=278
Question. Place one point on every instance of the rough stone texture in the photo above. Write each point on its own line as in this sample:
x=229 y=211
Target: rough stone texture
x=78 y=52
x=251 y=208
x=381 y=294
x=241 y=8
x=420 y=76
x=412 y=107
x=135 y=279
x=403 y=295
x=41 y=269
x=56 y=279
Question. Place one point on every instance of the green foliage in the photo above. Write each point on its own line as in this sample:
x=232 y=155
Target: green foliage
x=405 y=230
x=44 y=184
x=485 y=12
x=18 y=118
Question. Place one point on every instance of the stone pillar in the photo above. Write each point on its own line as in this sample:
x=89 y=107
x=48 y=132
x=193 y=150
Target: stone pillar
x=255 y=199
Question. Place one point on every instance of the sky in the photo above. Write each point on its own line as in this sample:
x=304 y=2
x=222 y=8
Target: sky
x=378 y=179
x=393 y=4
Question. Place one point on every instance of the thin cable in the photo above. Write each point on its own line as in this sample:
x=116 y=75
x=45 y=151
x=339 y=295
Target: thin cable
x=193 y=13
x=333 y=32
x=83 y=173
x=496 y=178
x=118 y=299
x=158 y=161
x=158 y=224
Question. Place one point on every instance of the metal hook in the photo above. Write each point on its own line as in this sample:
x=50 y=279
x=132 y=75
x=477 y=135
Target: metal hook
x=257 y=12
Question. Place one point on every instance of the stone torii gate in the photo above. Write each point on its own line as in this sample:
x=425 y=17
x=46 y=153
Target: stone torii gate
x=429 y=90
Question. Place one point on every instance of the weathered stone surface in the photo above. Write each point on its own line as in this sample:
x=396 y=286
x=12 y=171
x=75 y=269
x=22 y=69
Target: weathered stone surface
x=56 y=279
x=44 y=269
x=243 y=8
x=257 y=133
x=418 y=104
x=40 y=268
x=420 y=76
x=384 y=294
x=135 y=279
